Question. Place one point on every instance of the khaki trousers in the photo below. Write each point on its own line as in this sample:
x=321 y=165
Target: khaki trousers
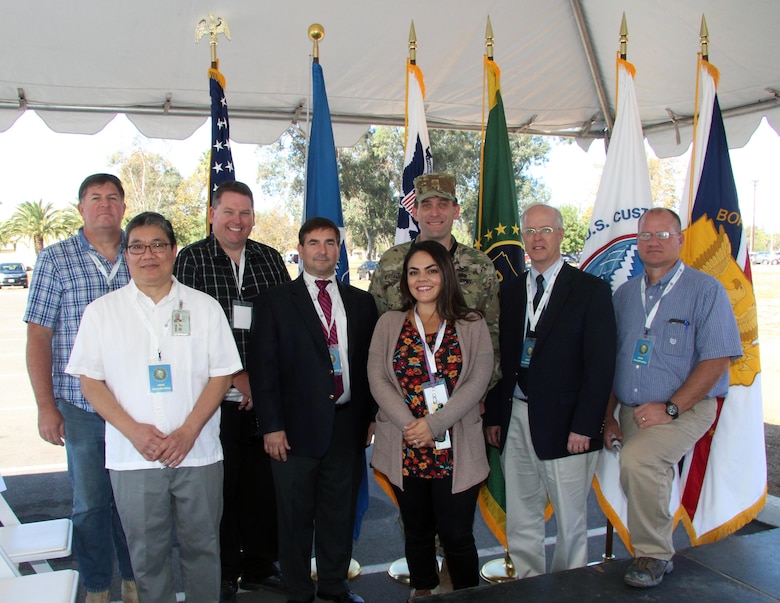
x=647 y=464
x=529 y=481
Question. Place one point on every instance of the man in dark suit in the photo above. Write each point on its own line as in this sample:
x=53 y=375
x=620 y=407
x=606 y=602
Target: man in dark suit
x=557 y=338
x=307 y=369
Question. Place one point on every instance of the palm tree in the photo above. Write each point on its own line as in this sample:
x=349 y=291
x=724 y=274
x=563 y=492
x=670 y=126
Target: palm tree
x=38 y=222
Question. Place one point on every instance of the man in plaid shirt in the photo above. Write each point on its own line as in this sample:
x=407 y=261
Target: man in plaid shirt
x=234 y=270
x=68 y=276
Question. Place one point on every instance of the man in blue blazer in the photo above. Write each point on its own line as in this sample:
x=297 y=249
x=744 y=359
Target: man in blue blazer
x=307 y=370
x=557 y=338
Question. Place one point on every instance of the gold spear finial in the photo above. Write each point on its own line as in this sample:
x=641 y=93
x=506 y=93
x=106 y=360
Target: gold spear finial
x=412 y=45
x=704 y=39
x=623 y=38
x=213 y=26
x=489 y=40
x=316 y=33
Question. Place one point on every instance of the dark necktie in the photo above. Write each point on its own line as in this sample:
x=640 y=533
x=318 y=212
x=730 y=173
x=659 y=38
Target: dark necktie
x=539 y=291
x=332 y=337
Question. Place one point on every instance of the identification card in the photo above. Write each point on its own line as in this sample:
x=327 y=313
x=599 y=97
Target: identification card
x=160 y=378
x=335 y=359
x=643 y=350
x=180 y=322
x=435 y=398
x=242 y=315
x=529 y=343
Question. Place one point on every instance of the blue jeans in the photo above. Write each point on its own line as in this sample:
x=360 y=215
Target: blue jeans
x=97 y=532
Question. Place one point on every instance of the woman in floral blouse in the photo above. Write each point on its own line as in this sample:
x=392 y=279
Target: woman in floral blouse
x=429 y=366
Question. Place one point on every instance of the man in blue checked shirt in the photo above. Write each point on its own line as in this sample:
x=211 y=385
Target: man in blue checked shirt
x=676 y=337
x=68 y=276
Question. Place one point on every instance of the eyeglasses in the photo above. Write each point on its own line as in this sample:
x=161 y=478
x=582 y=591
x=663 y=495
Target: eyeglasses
x=661 y=236
x=140 y=249
x=544 y=230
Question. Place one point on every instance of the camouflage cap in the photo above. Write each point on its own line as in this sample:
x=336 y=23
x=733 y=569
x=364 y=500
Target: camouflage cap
x=435 y=185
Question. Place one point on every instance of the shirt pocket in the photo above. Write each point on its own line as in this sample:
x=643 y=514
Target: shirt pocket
x=674 y=338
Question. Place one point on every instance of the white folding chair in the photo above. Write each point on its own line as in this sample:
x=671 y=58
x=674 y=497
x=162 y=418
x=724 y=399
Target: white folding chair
x=34 y=542
x=51 y=587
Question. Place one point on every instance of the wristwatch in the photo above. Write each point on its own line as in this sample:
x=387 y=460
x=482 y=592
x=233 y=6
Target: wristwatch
x=672 y=410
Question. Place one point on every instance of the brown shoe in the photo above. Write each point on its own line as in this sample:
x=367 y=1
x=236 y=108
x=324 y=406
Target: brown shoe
x=645 y=572
x=101 y=596
x=129 y=592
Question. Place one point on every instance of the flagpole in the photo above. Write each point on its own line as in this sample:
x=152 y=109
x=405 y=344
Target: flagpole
x=220 y=146
x=316 y=32
x=609 y=554
x=704 y=56
x=501 y=569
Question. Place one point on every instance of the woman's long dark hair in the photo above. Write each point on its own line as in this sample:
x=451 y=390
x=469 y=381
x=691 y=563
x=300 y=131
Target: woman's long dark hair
x=450 y=304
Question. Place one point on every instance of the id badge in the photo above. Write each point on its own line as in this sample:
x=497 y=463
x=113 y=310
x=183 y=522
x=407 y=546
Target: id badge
x=160 y=378
x=335 y=359
x=242 y=315
x=435 y=398
x=529 y=343
x=180 y=322
x=643 y=350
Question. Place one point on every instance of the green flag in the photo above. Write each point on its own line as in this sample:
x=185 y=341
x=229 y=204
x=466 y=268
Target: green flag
x=498 y=223
x=498 y=236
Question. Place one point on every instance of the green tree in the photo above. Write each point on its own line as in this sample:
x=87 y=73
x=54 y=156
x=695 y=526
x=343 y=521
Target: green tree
x=369 y=189
x=151 y=183
x=282 y=170
x=277 y=229
x=576 y=229
x=370 y=177
x=38 y=222
x=666 y=181
x=458 y=153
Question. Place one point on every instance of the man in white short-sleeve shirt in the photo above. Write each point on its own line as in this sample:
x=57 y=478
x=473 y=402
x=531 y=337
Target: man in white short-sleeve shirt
x=155 y=359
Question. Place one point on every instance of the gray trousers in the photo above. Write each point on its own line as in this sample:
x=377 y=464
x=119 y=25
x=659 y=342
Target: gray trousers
x=153 y=501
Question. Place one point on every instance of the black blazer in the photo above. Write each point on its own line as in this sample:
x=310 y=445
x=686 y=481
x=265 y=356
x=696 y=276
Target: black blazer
x=573 y=363
x=290 y=370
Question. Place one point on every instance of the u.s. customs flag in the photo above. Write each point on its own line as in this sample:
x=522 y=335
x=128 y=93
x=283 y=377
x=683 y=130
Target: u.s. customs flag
x=221 y=164
x=723 y=482
x=418 y=158
x=610 y=249
x=497 y=234
x=323 y=195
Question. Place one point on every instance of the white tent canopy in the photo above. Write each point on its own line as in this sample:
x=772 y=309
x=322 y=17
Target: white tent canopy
x=78 y=64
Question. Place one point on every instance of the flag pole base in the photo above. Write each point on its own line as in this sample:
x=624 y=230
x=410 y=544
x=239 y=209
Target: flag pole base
x=499 y=570
x=399 y=569
x=352 y=573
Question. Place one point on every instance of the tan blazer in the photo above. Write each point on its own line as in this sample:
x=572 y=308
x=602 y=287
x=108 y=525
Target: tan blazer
x=461 y=413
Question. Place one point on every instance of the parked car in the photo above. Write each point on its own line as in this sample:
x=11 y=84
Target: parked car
x=291 y=257
x=767 y=257
x=13 y=274
x=571 y=258
x=366 y=270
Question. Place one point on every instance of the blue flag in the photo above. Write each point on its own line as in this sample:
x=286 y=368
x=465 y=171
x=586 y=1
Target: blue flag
x=221 y=164
x=323 y=195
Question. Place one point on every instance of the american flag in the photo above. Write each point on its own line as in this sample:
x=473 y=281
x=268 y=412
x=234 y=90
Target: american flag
x=221 y=164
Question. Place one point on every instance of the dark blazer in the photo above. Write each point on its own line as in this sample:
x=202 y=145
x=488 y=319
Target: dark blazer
x=290 y=370
x=573 y=363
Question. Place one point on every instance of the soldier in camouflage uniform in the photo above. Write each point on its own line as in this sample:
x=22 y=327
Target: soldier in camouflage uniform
x=435 y=209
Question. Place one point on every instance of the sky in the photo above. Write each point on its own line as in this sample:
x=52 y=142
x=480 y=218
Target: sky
x=41 y=164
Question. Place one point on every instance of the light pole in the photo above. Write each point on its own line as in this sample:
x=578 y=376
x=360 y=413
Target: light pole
x=753 y=225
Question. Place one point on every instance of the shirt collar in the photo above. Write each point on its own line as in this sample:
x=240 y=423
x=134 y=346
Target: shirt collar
x=309 y=279
x=664 y=280
x=547 y=274
x=86 y=245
